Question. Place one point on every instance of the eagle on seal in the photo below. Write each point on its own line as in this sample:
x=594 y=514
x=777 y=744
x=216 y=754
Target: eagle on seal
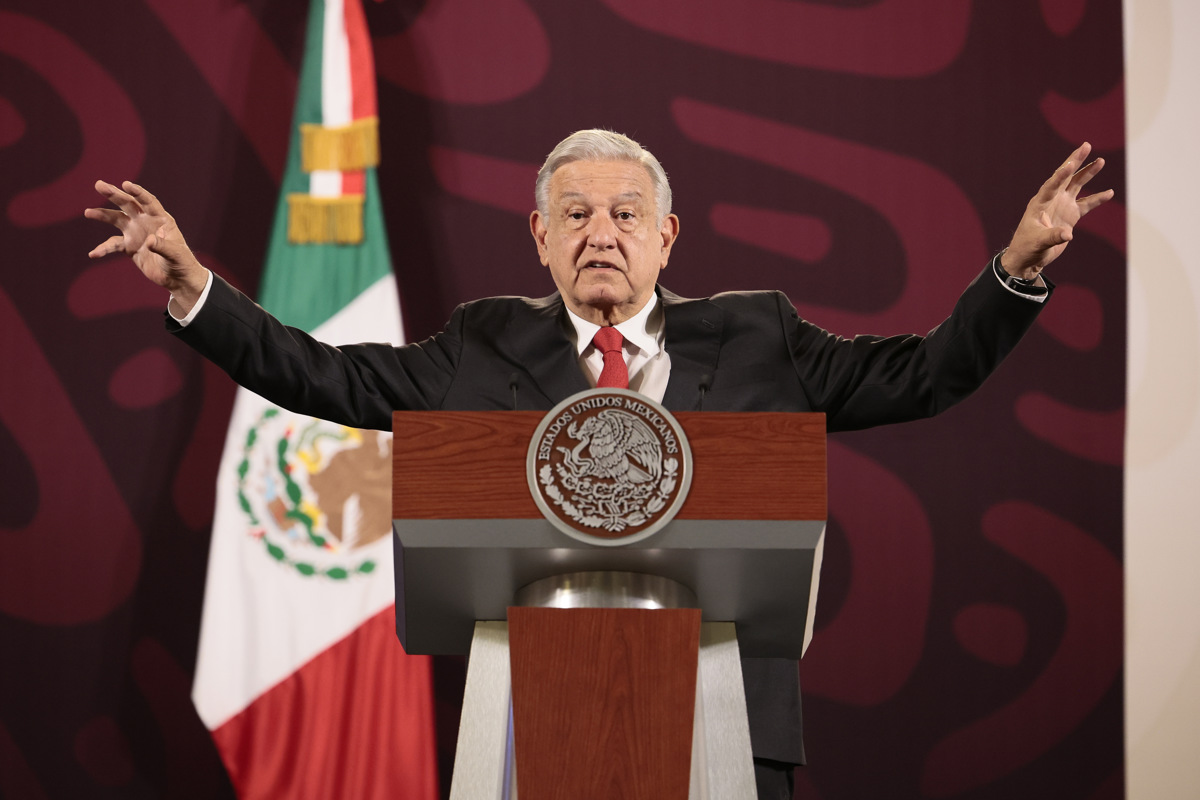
x=614 y=445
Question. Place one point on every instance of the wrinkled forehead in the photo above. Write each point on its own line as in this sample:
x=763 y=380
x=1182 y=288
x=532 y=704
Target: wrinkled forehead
x=601 y=182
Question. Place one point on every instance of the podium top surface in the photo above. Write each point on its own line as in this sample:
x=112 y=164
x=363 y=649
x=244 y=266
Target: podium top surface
x=471 y=465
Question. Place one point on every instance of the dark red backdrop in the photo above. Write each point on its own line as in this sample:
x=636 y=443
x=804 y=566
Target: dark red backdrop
x=866 y=157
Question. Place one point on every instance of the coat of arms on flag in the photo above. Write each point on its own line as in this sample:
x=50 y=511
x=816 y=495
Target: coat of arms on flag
x=315 y=493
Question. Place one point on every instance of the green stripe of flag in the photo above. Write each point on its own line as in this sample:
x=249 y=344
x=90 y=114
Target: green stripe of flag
x=304 y=285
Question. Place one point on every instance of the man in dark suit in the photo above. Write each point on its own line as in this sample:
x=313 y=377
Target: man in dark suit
x=604 y=229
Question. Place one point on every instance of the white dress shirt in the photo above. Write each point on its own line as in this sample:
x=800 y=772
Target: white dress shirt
x=646 y=357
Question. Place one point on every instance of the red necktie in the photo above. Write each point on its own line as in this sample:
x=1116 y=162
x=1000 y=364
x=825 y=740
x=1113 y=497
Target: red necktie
x=614 y=375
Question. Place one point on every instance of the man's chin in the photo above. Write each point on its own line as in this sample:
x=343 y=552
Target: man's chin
x=603 y=298
x=598 y=306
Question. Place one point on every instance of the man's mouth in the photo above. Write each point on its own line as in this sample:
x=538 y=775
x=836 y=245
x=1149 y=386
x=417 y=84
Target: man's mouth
x=600 y=265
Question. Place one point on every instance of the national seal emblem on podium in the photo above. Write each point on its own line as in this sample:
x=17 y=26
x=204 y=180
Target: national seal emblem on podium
x=609 y=466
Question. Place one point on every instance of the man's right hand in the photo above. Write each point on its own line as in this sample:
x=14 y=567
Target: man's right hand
x=149 y=236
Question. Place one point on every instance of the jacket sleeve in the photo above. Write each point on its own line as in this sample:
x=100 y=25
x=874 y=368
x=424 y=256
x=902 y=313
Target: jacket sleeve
x=875 y=380
x=357 y=385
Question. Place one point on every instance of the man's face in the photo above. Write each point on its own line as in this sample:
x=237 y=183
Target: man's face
x=601 y=238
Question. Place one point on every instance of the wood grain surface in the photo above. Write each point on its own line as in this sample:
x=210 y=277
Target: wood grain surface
x=471 y=465
x=603 y=701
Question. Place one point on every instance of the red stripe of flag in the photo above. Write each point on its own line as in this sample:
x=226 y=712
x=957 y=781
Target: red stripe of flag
x=330 y=729
x=362 y=82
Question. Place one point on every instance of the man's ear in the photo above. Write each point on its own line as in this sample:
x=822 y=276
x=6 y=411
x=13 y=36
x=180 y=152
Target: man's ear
x=537 y=226
x=669 y=231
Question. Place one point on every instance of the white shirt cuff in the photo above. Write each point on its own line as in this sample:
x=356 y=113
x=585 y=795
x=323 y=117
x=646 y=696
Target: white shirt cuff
x=997 y=270
x=191 y=315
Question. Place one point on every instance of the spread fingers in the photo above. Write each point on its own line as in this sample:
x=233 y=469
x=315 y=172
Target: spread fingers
x=114 y=244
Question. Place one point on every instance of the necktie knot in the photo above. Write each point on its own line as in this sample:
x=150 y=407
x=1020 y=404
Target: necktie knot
x=615 y=374
x=608 y=340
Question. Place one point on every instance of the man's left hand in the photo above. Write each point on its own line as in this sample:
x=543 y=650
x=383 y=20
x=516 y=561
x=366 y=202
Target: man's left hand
x=1050 y=218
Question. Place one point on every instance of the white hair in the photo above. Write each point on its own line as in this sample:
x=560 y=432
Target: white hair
x=601 y=145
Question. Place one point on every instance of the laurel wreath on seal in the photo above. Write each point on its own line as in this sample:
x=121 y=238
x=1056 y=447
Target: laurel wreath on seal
x=595 y=504
x=294 y=493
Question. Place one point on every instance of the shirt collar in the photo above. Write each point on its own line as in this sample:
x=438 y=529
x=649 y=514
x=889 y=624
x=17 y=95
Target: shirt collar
x=643 y=330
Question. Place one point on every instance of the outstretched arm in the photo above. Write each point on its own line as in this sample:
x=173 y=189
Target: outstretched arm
x=1050 y=218
x=149 y=235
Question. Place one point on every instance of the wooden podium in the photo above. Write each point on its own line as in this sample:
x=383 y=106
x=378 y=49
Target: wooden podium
x=598 y=671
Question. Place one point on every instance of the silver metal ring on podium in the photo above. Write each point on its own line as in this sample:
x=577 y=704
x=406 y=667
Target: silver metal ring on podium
x=606 y=589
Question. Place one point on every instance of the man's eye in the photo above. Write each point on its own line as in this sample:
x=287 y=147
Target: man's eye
x=575 y=215
x=625 y=215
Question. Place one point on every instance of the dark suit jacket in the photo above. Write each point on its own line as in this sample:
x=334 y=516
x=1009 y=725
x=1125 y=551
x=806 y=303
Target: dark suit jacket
x=751 y=348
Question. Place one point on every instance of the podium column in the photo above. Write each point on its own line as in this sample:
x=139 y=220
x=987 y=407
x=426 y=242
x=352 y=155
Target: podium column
x=629 y=698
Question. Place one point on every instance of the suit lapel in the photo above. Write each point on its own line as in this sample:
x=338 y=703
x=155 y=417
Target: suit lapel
x=693 y=340
x=539 y=345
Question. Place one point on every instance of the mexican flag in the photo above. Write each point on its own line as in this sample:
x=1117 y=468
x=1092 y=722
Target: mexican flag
x=300 y=677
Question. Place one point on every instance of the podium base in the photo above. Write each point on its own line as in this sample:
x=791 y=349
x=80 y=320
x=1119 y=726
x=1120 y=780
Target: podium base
x=721 y=763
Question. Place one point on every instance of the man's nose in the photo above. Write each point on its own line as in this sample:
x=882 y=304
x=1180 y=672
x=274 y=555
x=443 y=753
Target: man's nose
x=602 y=232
